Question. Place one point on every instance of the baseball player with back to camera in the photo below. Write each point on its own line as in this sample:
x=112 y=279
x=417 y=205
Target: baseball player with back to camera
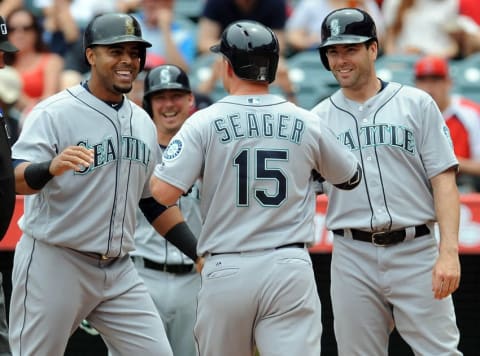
x=387 y=269
x=83 y=160
x=7 y=187
x=170 y=275
x=255 y=153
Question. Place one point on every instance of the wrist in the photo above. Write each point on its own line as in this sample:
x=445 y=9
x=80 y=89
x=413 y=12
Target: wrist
x=38 y=174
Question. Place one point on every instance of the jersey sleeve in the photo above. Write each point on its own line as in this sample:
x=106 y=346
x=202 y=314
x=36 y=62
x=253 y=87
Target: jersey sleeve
x=187 y=145
x=337 y=165
x=436 y=148
x=38 y=140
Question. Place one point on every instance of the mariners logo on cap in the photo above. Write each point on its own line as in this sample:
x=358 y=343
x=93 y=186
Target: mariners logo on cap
x=173 y=150
x=334 y=27
x=3 y=29
x=165 y=76
x=129 y=27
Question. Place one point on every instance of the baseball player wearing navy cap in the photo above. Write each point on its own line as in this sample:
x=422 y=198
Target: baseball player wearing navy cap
x=7 y=186
x=255 y=153
x=83 y=160
x=169 y=274
x=387 y=269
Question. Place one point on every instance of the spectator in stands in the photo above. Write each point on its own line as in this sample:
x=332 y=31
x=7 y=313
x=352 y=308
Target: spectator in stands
x=60 y=28
x=218 y=14
x=466 y=33
x=462 y=119
x=418 y=27
x=171 y=40
x=471 y=9
x=81 y=11
x=304 y=25
x=39 y=68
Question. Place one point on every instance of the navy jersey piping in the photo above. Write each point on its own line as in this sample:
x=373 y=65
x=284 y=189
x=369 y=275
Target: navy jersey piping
x=114 y=208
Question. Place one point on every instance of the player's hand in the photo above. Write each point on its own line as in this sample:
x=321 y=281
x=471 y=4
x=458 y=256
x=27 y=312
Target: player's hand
x=75 y=158
x=446 y=275
x=199 y=264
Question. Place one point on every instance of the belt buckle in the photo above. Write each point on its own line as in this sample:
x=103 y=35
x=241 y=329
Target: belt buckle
x=104 y=258
x=379 y=240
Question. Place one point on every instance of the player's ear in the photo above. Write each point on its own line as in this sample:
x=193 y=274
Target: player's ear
x=191 y=100
x=89 y=54
x=229 y=68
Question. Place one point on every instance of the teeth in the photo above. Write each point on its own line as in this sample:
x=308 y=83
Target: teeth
x=169 y=114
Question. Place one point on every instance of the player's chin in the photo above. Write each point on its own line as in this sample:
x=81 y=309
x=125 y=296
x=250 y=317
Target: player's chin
x=123 y=88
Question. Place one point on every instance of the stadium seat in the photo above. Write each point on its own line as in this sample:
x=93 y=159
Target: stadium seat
x=467 y=79
x=311 y=80
x=189 y=8
x=396 y=68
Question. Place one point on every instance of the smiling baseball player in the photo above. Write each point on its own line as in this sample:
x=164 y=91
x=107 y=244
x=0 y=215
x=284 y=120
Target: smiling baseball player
x=83 y=159
x=387 y=269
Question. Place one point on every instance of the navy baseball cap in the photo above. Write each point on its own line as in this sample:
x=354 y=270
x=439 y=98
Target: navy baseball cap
x=5 y=46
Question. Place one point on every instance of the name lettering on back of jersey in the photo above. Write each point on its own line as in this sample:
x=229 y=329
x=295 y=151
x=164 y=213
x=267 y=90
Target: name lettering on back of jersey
x=380 y=134
x=106 y=152
x=251 y=125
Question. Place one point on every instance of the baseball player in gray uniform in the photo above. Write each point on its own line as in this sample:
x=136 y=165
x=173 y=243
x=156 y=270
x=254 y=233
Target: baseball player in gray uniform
x=255 y=153
x=7 y=187
x=387 y=269
x=169 y=274
x=84 y=159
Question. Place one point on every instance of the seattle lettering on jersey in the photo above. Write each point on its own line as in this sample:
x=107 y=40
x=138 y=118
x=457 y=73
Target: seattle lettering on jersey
x=132 y=149
x=380 y=134
x=250 y=125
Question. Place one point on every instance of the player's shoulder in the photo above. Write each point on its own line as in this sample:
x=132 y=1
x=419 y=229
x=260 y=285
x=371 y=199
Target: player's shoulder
x=407 y=93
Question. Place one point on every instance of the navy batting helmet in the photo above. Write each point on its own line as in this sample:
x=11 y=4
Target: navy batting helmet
x=346 y=26
x=111 y=28
x=164 y=77
x=252 y=50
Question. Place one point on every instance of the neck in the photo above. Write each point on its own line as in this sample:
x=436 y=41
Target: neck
x=244 y=87
x=163 y=138
x=365 y=92
x=102 y=93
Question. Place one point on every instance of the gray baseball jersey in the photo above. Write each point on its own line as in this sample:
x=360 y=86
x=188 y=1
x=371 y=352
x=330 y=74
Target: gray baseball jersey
x=255 y=154
x=401 y=140
x=126 y=151
x=66 y=267
x=271 y=147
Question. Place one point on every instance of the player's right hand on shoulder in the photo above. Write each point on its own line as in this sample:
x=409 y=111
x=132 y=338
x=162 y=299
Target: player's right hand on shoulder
x=75 y=158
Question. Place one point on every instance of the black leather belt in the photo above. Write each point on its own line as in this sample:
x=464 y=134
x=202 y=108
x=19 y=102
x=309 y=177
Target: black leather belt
x=98 y=256
x=384 y=238
x=177 y=269
x=294 y=244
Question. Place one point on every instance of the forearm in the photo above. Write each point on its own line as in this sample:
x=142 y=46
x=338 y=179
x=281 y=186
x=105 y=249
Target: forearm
x=21 y=186
x=447 y=209
x=172 y=226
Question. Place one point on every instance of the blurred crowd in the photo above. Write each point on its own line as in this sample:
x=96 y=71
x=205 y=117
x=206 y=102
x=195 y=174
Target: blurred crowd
x=49 y=35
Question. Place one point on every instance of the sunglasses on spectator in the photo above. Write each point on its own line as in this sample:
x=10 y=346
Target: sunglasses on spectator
x=22 y=28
